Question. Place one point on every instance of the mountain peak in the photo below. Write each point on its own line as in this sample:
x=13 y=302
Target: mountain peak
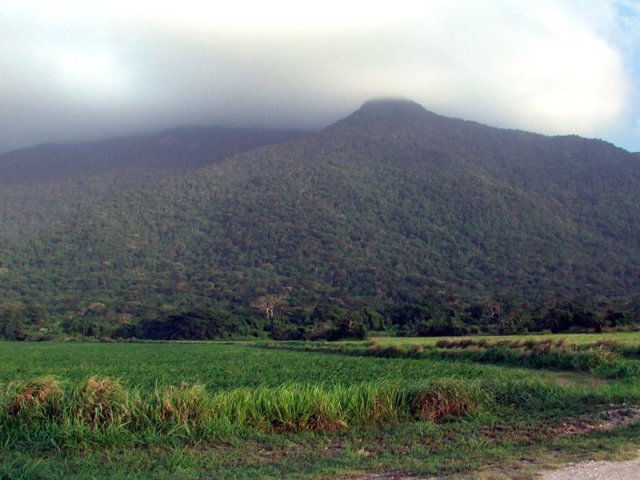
x=386 y=112
x=391 y=110
x=391 y=104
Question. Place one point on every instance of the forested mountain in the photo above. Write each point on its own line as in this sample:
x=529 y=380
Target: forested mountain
x=384 y=208
x=48 y=183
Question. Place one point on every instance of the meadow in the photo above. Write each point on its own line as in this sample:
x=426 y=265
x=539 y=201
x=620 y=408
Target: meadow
x=479 y=406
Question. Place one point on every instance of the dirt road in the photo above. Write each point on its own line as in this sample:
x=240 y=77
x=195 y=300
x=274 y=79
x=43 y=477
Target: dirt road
x=629 y=470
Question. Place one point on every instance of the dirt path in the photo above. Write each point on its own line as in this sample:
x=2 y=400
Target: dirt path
x=629 y=470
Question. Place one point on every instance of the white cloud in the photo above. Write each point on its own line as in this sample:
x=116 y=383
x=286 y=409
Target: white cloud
x=554 y=66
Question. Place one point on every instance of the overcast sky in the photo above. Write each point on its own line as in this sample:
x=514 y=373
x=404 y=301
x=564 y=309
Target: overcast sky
x=72 y=70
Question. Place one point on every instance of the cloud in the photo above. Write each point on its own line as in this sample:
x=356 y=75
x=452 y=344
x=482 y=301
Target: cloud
x=80 y=69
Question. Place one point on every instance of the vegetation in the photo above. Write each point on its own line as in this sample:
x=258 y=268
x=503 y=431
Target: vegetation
x=99 y=406
x=393 y=219
x=44 y=185
x=325 y=321
x=606 y=358
x=231 y=410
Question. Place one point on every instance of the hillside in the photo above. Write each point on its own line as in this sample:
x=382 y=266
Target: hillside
x=42 y=185
x=386 y=207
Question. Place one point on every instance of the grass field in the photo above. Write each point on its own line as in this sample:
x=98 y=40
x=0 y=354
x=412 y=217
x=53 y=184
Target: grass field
x=625 y=338
x=221 y=366
x=297 y=410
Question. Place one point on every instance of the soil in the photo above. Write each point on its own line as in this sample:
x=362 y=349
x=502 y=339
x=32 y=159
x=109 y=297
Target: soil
x=629 y=470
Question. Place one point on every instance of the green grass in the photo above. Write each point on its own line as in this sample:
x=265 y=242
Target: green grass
x=607 y=358
x=220 y=366
x=626 y=338
x=236 y=410
x=101 y=410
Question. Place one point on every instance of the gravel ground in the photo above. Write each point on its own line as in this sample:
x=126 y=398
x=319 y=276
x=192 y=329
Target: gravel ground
x=629 y=470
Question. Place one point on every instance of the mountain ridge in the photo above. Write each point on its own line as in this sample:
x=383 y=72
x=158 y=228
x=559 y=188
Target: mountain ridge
x=362 y=214
x=204 y=144
x=49 y=183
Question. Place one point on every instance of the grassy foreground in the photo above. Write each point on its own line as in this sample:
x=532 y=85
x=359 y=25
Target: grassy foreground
x=238 y=410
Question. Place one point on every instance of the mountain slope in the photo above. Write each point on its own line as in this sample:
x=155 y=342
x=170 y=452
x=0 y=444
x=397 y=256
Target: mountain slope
x=45 y=184
x=387 y=206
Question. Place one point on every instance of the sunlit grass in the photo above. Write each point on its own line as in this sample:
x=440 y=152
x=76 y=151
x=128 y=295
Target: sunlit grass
x=627 y=338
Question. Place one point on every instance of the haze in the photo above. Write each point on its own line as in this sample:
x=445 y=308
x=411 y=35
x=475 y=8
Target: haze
x=75 y=70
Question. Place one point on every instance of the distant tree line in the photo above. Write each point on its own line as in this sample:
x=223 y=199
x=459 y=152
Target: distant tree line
x=329 y=320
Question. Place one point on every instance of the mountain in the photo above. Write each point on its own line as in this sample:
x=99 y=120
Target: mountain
x=48 y=183
x=386 y=207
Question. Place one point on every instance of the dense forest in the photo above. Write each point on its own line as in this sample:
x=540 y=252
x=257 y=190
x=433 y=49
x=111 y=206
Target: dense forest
x=43 y=185
x=393 y=219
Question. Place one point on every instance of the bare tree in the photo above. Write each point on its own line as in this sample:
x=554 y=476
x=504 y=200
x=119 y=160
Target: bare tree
x=271 y=304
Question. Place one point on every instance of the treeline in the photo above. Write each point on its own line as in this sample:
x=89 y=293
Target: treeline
x=507 y=317
x=325 y=321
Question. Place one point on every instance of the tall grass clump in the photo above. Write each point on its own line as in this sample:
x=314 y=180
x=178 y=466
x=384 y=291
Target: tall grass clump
x=312 y=407
x=173 y=408
x=531 y=395
x=35 y=401
x=102 y=409
x=448 y=399
x=100 y=402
